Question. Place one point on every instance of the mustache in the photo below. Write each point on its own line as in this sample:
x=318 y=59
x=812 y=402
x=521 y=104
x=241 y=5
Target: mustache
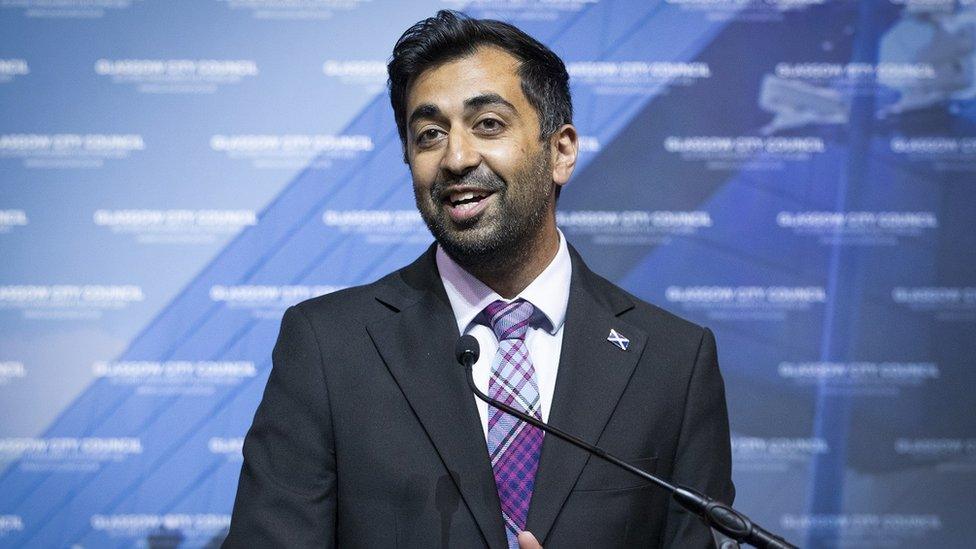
x=480 y=179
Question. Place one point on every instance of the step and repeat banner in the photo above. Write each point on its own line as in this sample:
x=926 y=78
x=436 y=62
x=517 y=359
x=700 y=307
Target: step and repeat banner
x=798 y=175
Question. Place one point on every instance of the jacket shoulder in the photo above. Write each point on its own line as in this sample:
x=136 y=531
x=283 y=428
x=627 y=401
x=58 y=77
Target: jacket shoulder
x=355 y=304
x=652 y=318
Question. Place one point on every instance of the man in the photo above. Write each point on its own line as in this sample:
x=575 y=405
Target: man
x=368 y=436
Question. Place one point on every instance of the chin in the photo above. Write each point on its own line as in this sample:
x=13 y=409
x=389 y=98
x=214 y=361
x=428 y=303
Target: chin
x=478 y=248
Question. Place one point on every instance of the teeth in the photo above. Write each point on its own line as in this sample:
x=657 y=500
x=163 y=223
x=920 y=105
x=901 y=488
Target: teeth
x=465 y=196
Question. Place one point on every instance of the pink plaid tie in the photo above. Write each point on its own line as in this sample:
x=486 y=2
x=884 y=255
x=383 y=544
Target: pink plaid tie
x=513 y=445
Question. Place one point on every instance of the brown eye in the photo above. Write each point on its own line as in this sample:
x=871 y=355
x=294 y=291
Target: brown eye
x=427 y=136
x=491 y=125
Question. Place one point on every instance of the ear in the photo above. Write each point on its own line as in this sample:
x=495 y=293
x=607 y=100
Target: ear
x=564 y=148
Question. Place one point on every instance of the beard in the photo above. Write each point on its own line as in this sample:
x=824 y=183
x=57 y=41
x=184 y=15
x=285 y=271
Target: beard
x=505 y=231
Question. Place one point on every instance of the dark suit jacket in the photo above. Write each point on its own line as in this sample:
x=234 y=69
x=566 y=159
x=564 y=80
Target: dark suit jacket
x=367 y=435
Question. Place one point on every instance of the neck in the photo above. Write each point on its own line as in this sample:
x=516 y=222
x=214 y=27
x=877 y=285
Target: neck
x=511 y=273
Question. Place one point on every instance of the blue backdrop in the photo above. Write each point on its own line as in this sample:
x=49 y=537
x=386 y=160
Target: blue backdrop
x=799 y=175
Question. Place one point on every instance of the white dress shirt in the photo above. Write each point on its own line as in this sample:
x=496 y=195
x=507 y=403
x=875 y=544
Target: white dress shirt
x=548 y=293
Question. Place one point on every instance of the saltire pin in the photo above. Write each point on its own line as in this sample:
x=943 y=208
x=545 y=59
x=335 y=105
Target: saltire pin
x=618 y=340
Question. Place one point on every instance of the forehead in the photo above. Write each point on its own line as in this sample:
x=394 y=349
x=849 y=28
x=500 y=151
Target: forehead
x=488 y=69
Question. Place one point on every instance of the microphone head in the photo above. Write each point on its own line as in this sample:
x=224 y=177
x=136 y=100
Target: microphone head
x=467 y=349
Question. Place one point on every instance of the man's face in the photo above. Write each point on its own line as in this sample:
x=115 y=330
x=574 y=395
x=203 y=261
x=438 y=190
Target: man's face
x=481 y=176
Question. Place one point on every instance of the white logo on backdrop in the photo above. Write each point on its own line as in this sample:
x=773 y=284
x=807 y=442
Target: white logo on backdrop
x=632 y=227
x=942 y=153
x=636 y=77
x=11 y=523
x=867 y=529
x=67 y=9
x=175 y=226
x=69 y=150
x=232 y=447
x=589 y=144
x=864 y=378
x=12 y=68
x=309 y=10
x=197 y=529
x=67 y=453
x=746 y=302
x=291 y=151
x=775 y=453
x=266 y=301
x=519 y=10
x=948 y=303
x=858 y=227
x=12 y=218
x=177 y=76
x=744 y=152
x=379 y=226
x=68 y=301
x=742 y=10
x=369 y=74
x=11 y=370
x=949 y=454
x=175 y=377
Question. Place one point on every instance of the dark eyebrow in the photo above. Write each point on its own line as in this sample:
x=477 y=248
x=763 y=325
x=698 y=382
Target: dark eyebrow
x=428 y=110
x=423 y=111
x=487 y=99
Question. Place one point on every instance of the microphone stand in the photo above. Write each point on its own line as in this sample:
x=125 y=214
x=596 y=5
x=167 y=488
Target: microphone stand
x=715 y=514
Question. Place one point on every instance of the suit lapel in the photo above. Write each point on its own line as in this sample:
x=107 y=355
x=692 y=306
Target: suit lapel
x=593 y=374
x=417 y=345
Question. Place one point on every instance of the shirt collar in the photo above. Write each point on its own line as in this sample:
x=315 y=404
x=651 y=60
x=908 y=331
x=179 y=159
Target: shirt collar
x=548 y=293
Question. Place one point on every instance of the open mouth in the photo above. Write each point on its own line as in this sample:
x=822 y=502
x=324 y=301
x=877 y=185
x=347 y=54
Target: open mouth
x=466 y=200
x=464 y=205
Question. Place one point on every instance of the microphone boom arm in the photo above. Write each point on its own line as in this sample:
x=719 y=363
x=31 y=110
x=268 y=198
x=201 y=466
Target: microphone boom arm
x=715 y=514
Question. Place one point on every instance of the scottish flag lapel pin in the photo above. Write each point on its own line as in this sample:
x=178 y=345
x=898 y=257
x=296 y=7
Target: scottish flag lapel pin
x=618 y=340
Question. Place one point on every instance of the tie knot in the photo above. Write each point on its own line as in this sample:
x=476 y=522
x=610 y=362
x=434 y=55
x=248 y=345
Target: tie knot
x=509 y=320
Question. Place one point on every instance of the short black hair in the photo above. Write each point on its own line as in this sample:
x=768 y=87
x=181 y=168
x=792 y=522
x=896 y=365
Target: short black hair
x=451 y=35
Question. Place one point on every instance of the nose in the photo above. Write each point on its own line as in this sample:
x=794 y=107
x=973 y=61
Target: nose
x=460 y=156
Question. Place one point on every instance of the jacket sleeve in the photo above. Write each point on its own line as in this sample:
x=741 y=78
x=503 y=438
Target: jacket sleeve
x=703 y=459
x=286 y=496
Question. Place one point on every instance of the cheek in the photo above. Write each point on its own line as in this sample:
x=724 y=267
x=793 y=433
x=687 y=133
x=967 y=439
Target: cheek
x=421 y=190
x=422 y=176
x=504 y=161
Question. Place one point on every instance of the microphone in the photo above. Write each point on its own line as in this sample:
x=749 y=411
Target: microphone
x=715 y=514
